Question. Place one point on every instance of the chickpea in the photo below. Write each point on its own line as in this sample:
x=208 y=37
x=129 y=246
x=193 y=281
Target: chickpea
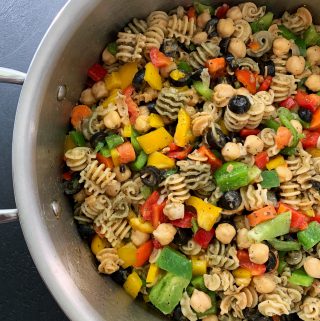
x=200 y=37
x=112 y=120
x=225 y=27
x=312 y=267
x=258 y=253
x=138 y=238
x=225 y=232
x=203 y=18
x=231 y=151
x=165 y=71
x=142 y=124
x=242 y=239
x=144 y=110
x=200 y=301
x=281 y=46
x=164 y=233
x=108 y=58
x=295 y=65
x=234 y=13
x=99 y=90
x=313 y=55
x=174 y=211
x=284 y=173
x=113 y=188
x=313 y=82
x=237 y=48
x=297 y=125
x=264 y=283
x=210 y=318
x=122 y=172
x=87 y=97
x=253 y=144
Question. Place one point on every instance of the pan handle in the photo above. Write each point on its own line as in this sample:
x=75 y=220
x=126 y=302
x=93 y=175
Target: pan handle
x=10 y=76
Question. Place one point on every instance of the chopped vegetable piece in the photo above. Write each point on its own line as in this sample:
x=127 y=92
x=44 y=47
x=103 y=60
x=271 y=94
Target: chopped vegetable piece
x=158 y=216
x=270 y=179
x=143 y=253
x=166 y=294
x=310 y=139
x=155 y=140
x=140 y=161
x=181 y=137
x=203 y=90
x=311 y=36
x=104 y=151
x=185 y=222
x=96 y=72
x=265 y=84
x=315 y=122
x=77 y=138
x=153 y=274
x=113 y=81
x=126 y=73
x=152 y=76
x=133 y=284
x=207 y=214
x=184 y=66
x=231 y=176
x=191 y=13
x=282 y=265
x=213 y=160
x=310 y=102
x=283 y=137
x=285 y=117
x=174 y=262
x=244 y=132
x=133 y=109
x=194 y=226
x=310 y=236
x=114 y=141
x=216 y=67
x=159 y=59
x=300 y=277
x=270 y=123
x=127 y=131
x=214 y=308
x=298 y=220
x=278 y=226
x=253 y=173
x=263 y=214
x=261 y=159
x=275 y=162
x=289 y=103
x=139 y=224
x=135 y=144
x=285 y=246
x=69 y=143
x=198 y=283
x=199 y=267
x=200 y=8
x=115 y=157
x=146 y=208
x=315 y=152
x=111 y=98
x=262 y=23
x=222 y=11
x=247 y=79
x=128 y=254
x=107 y=161
x=155 y=121
x=244 y=261
x=78 y=114
x=160 y=161
x=126 y=153
x=98 y=243
x=180 y=153
x=112 y=48
x=203 y=237
x=286 y=33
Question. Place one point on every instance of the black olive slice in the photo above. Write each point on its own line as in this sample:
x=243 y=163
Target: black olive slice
x=138 y=79
x=211 y=27
x=305 y=114
x=151 y=176
x=272 y=262
x=239 y=104
x=182 y=236
x=170 y=47
x=230 y=200
x=97 y=138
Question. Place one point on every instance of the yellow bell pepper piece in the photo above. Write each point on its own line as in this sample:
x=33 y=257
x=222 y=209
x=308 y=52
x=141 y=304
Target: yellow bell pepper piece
x=113 y=81
x=152 y=275
x=137 y=223
x=128 y=254
x=199 y=267
x=310 y=212
x=155 y=121
x=69 y=143
x=242 y=276
x=133 y=284
x=155 y=140
x=127 y=130
x=275 y=162
x=223 y=127
x=111 y=99
x=181 y=137
x=242 y=281
x=160 y=161
x=207 y=214
x=126 y=73
x=98 y=244
x=115 y=157
x=152 y=76
x=315 y=152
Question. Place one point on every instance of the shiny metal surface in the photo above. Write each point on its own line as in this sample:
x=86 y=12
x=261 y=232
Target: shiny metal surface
x=72 y=44
x=12 y=76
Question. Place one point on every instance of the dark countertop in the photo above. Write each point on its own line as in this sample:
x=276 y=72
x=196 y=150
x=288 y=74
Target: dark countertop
x=23 y=295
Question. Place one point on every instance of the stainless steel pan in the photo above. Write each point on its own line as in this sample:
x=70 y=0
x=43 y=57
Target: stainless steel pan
x=52 y=85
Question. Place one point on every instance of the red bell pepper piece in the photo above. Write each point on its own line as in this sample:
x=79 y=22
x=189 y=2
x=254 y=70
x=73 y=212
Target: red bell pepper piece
x=265 y=84
x=143 y=253
x=203 y=237
x=185 y=222
x=315 y=122
x=191 y=13
x=180 y=154
x=310 y=139
x=173 y=147
x=222 y=11
x=244 y=261
x=244 y=132
x=157 y=215
x=158 y=58
x=67 y=176
x=311 y=102
x=248 y=79
x=156 y=244
x=96 y=72
x=315 y=218
x=132 y=106
x=146 y=208
x=298 y=220
x=213 y=160
x=289 y=103
x=261 y=159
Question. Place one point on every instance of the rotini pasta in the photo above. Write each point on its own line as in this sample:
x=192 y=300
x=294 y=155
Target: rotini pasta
x=202 y=53
x=130 y=46
x=182 y=29
x=109 y=261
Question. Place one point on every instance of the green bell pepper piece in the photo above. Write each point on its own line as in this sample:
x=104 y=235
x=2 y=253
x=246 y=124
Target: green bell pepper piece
x=280 y=225
x=285 y=246
x=114 y=140
x=140 y=161
x=184 y=66
x=170 y=172
x=98 y=147
x=288 y=151
x=195 y=226
x=263 y=23
x=300 y=277
x=77 y=138
x=213 y=309
x=282 y=265
x=198 y=283
x=310 y=236
x=201 y=7
x=270 y=123
x=270 y=179
x=146 y=191
x=112 y=48
x=253 y=173
x=174 y=262
x=285 y=117
x=286 y=33
x=231 y=176
x=104 y=151
x=203 y=90
x=311 y=36
x=166 y=294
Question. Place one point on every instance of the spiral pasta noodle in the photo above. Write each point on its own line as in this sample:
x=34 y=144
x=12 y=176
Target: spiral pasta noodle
x=267 y=135
x=242 y=30
x=256 y=112
x=265 y=40
x=176 y=188
x=298 y=21
x=136 y=26
x=254 y=198
x=235 y=122
x=186 y=307
x=95 y=205
x=191 y=248
x=280 y=63
x=310 y=309
x=132 y=190
x=130 y=46
x=219 y=280
x=182 y=29
x=250 y=12
x=283 y=86
x=78 y=158
x=248 y=63
x=109 y=261
x=222 y=94
x=202 y=53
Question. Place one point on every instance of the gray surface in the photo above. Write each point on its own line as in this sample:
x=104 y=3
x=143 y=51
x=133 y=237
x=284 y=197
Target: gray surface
x=23 y=295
